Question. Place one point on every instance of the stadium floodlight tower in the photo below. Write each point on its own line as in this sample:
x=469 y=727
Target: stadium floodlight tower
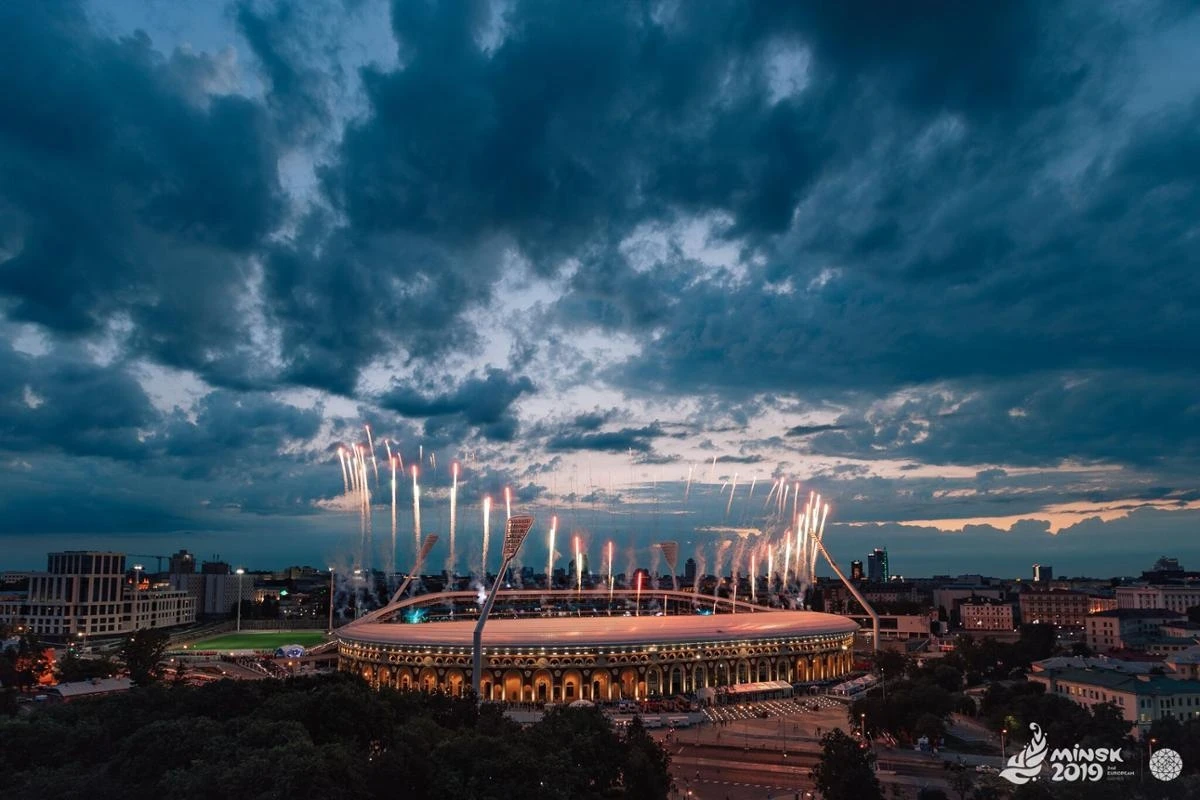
x=422 y=554
x=515 y=531
x=670 y=551
x=854 y=591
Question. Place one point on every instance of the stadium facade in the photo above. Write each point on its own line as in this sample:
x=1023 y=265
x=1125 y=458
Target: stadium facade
x=551 y=657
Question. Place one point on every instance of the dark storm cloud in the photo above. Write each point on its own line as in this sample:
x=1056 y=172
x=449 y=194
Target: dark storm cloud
x=230 y=426
x=1136 y=418
x=752 y=458
x=639 y=440
x=128 y=191
x=808 y=430
x=64 y=402
x=484 y=403
x=298 y=94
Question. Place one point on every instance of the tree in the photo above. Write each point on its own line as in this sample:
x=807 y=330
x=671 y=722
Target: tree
x=845 y=770
x=143 y=652
x=961 y=781
x=646 y=771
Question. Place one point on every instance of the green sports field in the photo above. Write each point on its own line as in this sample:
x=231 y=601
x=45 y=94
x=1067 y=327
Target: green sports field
x=259 y=640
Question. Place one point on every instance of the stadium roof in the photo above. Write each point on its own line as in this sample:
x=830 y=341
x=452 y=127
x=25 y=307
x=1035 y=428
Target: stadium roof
x=605 y=631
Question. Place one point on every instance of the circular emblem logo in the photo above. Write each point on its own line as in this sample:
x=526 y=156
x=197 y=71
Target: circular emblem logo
x=1166 y=764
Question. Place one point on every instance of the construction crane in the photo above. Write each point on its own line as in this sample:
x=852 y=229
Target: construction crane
x=143 y=555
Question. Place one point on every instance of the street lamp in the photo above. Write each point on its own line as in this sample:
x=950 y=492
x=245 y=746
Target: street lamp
x=1003 y=750
x=240 y=572
x=137 y=587
x=331 y=600
x=863 y=726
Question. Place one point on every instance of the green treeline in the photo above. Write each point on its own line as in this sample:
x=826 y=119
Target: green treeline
x=330 y=737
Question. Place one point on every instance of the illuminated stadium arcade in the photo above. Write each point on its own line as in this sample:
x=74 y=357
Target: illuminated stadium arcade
x=600 y=645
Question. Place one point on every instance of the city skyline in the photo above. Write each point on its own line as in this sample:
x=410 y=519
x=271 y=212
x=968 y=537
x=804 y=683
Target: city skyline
x=627 y=262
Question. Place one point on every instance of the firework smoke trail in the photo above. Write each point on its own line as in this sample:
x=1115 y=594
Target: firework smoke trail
x=723 y=485
x=550 y=554
x=732 y=491
x=487 y=517
x=700 y=570
x=722 y=548
x=388 y=447
x=712 y=472
x=687 y=490
x=753 y=481
x=638 y=609
x=420 y=454
x=433 y=461
x=345 y=473
x=783 y=499
x=753 y=580
x=416 y=510
x=453 y=515
x=392 y=462
x=507 y=503
x=371 y=444
x=770 y=565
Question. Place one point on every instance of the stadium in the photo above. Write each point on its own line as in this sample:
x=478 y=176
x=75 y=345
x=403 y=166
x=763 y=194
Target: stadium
x=598 y=645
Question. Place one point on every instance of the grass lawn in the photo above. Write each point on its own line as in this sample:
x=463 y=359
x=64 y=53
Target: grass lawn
x=259 y=640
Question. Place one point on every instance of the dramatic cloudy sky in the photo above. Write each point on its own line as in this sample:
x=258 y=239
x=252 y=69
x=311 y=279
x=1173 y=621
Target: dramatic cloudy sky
x=940 y=265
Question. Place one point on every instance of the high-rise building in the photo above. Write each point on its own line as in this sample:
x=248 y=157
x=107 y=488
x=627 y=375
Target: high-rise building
x=856 y=571
x=86 y=593
x=182 y=563
x=877 y=565
x=689 y=571
x=1043 y=573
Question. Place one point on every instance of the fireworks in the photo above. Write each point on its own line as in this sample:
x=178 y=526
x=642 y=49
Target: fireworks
x=453 y=515
x=371 y=446
x=550 y=553
x=487 y=519
x=416 y=494
x=789 y=533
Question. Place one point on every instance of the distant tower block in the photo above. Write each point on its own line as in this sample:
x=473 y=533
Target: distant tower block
x=1043 y=573
x=856 y=571
x=877 y=565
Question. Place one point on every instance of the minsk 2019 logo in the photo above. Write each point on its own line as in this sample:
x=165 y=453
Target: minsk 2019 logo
x=1026 y=765
x=1081 y=763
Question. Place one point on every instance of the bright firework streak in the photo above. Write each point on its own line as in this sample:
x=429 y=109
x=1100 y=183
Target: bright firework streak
x=453 y=512
x=688 y=489
x=392 y=462
x=770 y=565
x=578 y=567
x=416 y=509
x=507 y=503
x=610 y=578
x=787 y=556
x=753 y=579
x=487 y=516
x=371 y=444
x=638 y=610
x=345 y=472
x=735 y=584
x=753 y=481
x=783 y=501
x=550 y=554
x=388 y=447
x=732 y=491
x=770 y=494
x=712 y=472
